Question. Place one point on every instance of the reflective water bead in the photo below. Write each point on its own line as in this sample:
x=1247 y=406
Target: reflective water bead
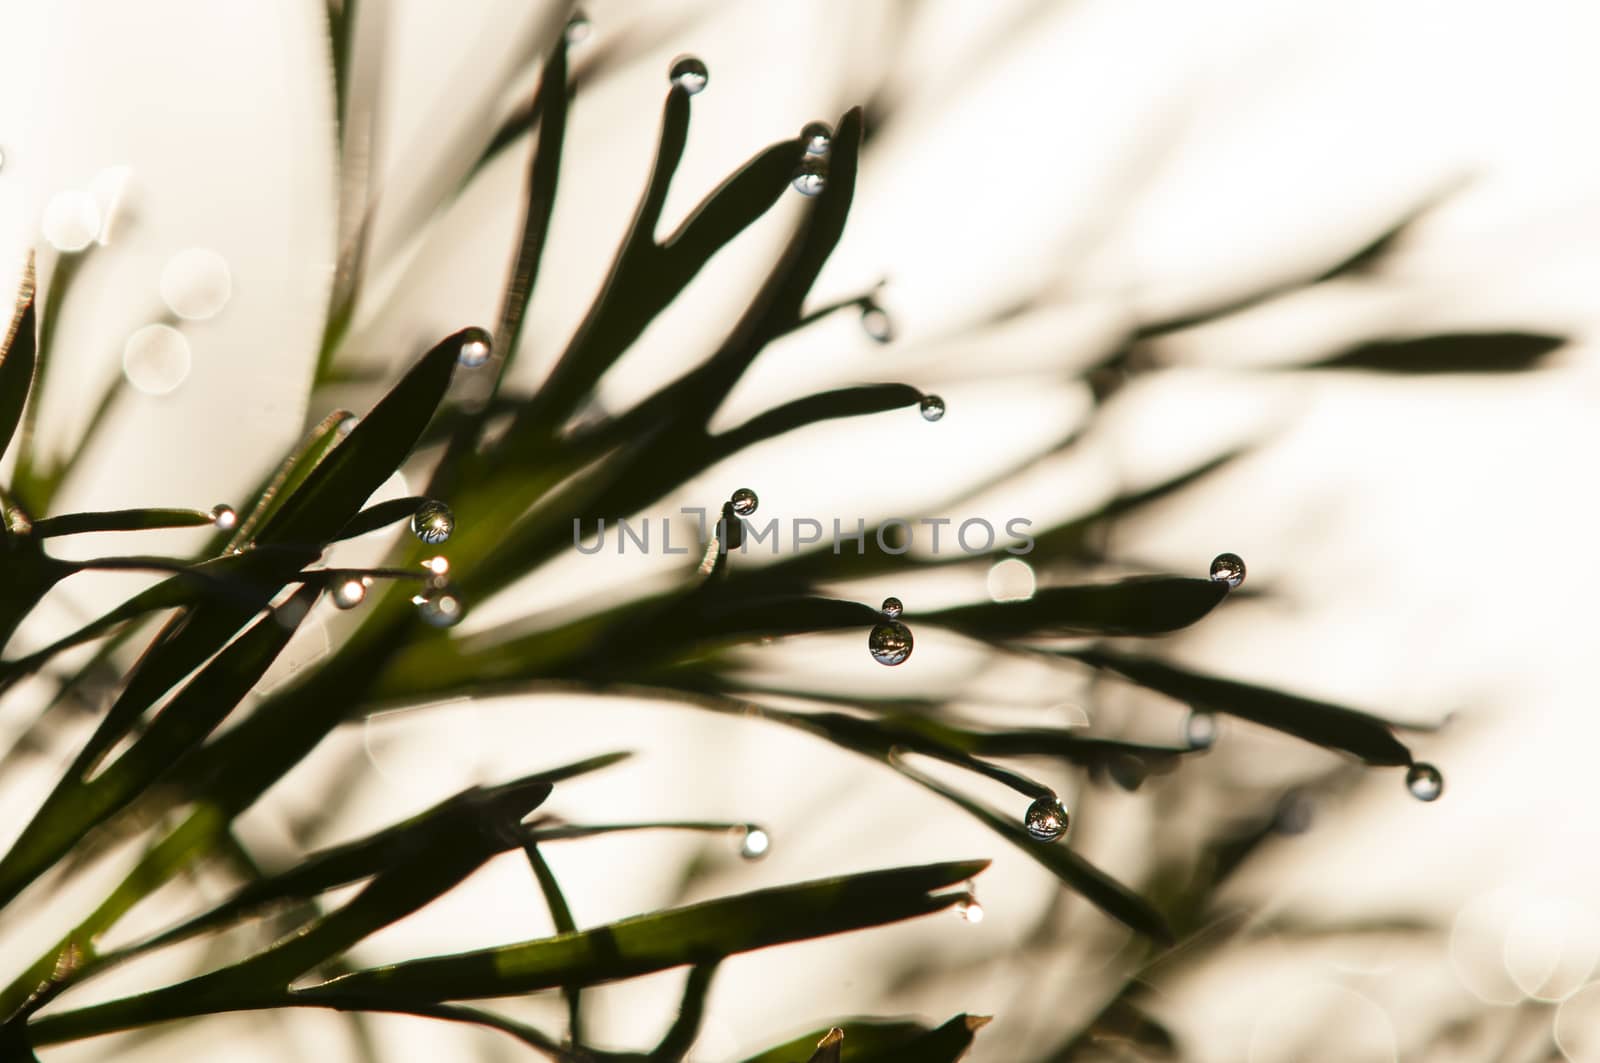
x=224 y=518
x=349 y=593
x=690 y=73
x=1046 y=819
x=347 y=424
x=890 y=643
x=578 y=27
x=817 y=137
x=1228 y=568
x=892 y=607
x=969 y=909
x=1200 y=729
x=755 y=843
x=744 y=501
x=1424 y=782
x=433 y=522
x=876 y=324
x=810 y=179
x=439 y=566
x=475 y=348
x=932 y=407
x=439 y=605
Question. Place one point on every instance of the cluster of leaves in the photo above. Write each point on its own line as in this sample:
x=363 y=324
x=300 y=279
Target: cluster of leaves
x=517 y=469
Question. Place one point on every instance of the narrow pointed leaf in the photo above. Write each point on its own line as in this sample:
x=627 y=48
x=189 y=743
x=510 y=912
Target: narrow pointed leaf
x=379 y=516
x=829 y=405
x=674 y=938
x=1486 y=352
x=120 y=520
x=334 y=491
x=1148 y=605
x=1319 y=722
x=885 y=1041
x=1094 y=885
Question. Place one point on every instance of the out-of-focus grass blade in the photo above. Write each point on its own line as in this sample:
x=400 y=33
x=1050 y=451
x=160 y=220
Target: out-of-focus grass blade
x=885 y=1041
x=335 y=489
x=1145 y=605
x=17 y=359
x=1098 y=888
x=120 y=520
x=79 y=804
x=677 y=937
x=1318 y=722
x=1480 y=352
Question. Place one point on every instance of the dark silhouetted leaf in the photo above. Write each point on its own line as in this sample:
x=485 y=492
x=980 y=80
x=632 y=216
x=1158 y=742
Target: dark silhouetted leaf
x=120 y=520
x=1098 y=888
x=17 y=359
x=1318 y=722
x=1484 y=352
x=1147 y=605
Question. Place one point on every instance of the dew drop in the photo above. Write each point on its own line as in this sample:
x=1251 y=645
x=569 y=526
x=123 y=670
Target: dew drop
x=1424 y=782
x=810 y=178
x=744 y=501
x=876 y=324
x=433 y=522
x=475 y=348
x=224 y=517
x=690 y=74
x=932 y=407
x=349 y=593
x=1200 y=729
x=156 y=359
x=71 y=220
x=890 y=643
x=892 y=608
x=439 y=566
x=1228 y=568
x=439 y=605
x=196 y=283
x=969 y=909
x=818 y=138
x=347 y=425
x=1046 y=819
x=755 y=843
x=578 y=27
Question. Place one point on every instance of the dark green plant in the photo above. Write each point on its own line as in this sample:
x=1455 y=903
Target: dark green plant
x=516 y=469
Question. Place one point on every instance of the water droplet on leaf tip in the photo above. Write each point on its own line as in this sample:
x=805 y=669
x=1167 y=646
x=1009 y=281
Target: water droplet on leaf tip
x=578 y=27
x=347 y=425
x=224 y=517
x=810 y=180
x=890 y=643
x=817 y=138
x=1046 y=819
x=755 y=843
x=349 y=593
x=689 y=73
x=439 y=566
x=969 y=909
x=1200 y=729
x=475 y=348
x=876 y=324
x=433 y=522
x=744 y=501
x=892 y=608
x=932 y=407
x=1228 y=568
x=439 y=605
x=1425 y=782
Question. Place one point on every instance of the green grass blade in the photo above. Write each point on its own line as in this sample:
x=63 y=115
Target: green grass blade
x=1145 y=605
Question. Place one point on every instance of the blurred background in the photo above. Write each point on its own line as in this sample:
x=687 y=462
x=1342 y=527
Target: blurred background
x=1041 y=181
